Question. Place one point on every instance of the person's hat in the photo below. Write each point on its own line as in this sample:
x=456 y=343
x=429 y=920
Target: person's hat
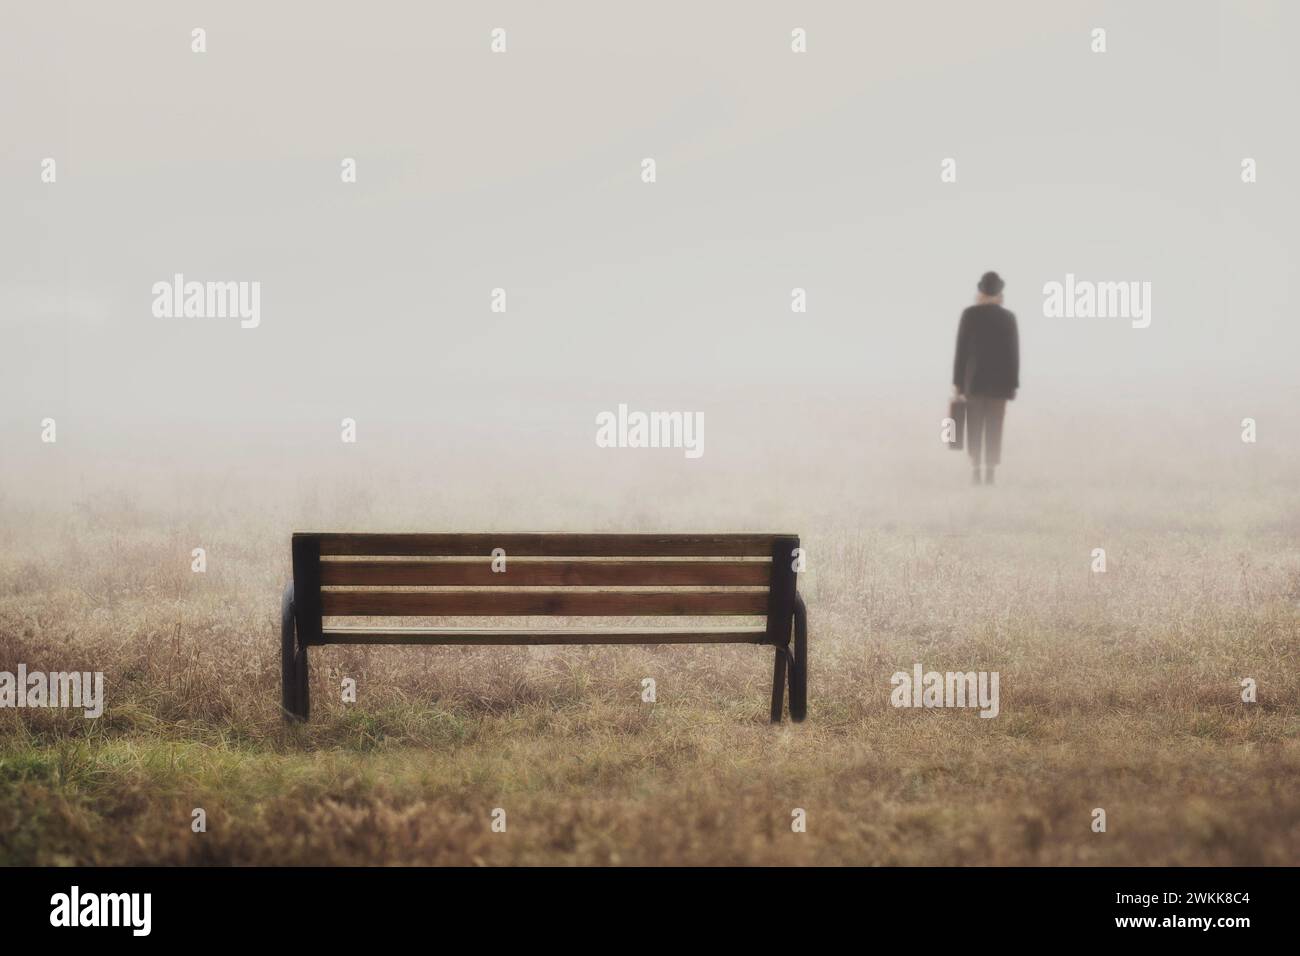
x=991 y=283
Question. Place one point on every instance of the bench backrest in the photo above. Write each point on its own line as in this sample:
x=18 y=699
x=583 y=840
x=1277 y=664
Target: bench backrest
x=547 y=574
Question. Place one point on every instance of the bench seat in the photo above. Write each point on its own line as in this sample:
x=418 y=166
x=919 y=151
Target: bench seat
x=391 y=577
x=555 y=635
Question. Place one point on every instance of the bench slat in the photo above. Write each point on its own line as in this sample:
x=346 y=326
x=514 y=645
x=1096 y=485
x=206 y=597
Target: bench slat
x=494 y=636
x=548 y=544
x=549 y=574
x=557 y=603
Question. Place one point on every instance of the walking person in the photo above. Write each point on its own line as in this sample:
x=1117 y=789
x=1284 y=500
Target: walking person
x=986 y=371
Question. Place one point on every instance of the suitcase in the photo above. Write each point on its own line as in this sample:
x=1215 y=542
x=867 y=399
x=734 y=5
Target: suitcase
x=957 y=412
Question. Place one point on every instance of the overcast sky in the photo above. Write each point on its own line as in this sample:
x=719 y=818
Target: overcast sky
x=522 y=170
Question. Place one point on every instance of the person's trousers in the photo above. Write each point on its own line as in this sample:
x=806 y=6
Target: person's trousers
x=984 y=429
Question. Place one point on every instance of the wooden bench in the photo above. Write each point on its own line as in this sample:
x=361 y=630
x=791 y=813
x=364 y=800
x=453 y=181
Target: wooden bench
x=547 y=575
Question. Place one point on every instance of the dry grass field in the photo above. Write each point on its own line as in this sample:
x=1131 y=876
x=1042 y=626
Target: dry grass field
x=1118 y=690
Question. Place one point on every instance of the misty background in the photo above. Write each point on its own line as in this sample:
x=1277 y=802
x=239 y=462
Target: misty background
x=522 y=171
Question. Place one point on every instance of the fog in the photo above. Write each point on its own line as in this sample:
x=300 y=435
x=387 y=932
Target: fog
x=522 y=171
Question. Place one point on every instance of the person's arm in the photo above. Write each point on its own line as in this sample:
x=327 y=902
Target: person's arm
x=1015 y=357
x=963 y=347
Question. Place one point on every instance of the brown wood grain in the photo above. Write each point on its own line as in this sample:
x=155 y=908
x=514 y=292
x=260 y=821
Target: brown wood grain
x=533 y=602
x=599 y=573
x=546 y=544
x=494 y=636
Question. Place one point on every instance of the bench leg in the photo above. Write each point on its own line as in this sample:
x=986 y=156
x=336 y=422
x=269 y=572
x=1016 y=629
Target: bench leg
x=799 y=663
x=293 y=664
x=304 y=703
x=778 y=684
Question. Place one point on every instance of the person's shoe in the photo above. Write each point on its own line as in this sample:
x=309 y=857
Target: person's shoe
x=975 y=475
x=988 y=476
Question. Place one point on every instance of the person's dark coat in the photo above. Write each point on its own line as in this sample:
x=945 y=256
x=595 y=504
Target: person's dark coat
x=988 y=353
